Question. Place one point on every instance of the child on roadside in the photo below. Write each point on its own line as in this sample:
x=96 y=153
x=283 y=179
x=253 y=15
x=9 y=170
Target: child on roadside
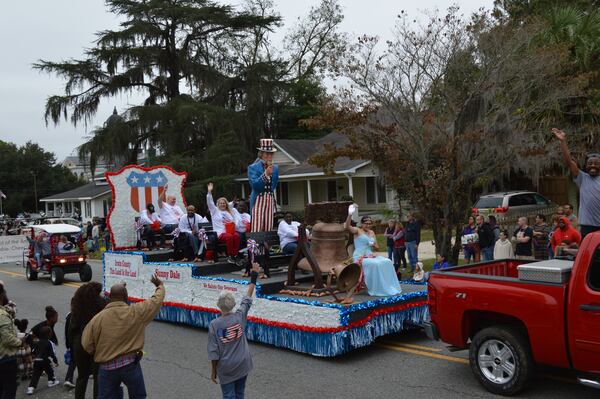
x=24 y=356
x=43 y=354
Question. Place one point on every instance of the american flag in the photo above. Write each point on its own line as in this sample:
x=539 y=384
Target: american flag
x=230 y=334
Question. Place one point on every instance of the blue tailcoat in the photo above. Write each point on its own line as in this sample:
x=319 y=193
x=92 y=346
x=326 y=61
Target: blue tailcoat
x=255 y=171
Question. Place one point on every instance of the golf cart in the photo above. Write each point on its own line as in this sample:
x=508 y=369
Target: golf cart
x=56 y=249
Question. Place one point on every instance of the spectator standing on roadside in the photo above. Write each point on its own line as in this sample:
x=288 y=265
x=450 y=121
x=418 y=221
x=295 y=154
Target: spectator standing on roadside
x=389 y=235
x=227 y=344
x=555 y=219
x=503 y=249
x=96 y=237
x=412 y=235
x=541 y=238
x=9 y=345
x=565 y=234
x=486 y=238
x=115 y=337
x=87 y=302
x=68 y=345
x=588 y=183
x=522 y=236
x=399 y=247
x=495 y=228
x=470 y=241
x=568 y=211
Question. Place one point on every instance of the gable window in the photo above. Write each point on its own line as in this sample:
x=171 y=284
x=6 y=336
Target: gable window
x=376 y=192
x=282 y=193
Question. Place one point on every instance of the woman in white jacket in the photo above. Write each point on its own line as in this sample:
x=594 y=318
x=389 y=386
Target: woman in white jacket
x=503 y=248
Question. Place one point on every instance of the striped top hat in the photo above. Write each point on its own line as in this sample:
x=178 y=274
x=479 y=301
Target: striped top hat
x=266 y=145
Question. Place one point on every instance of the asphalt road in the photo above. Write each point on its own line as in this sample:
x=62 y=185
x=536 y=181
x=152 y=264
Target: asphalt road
x=175 y=366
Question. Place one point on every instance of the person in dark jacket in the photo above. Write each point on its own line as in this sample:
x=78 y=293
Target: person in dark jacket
x=51 y=319
x=87 y=302
x=487 y=240
x=43 y=357
x=68 y=344
x=412 y=236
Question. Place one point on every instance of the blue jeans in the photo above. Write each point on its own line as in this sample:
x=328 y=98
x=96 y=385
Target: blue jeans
x=109 y=382
x=235 y=389
x=290 y=248
x=390 y=253
x=96 y=246
x=487 y=253
x=412 y=248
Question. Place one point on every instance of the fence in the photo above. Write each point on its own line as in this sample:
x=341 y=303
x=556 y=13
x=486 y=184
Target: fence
x=510 y=222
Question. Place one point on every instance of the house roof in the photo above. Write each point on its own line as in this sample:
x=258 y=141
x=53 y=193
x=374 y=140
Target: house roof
x=87 y=191
x=301 y=150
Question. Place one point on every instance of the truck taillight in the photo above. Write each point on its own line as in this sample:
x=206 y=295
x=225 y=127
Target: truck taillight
x=500 y=210
x=432 y=299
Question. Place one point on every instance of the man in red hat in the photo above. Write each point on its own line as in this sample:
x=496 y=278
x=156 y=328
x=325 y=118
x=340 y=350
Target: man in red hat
x=263 y=177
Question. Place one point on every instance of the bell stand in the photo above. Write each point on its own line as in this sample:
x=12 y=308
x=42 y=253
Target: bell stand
x=303 y=249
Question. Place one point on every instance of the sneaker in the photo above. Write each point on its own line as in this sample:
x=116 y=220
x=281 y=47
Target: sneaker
x=230 y=259
x=30 y=390
x=69 y=384
x=53 y=383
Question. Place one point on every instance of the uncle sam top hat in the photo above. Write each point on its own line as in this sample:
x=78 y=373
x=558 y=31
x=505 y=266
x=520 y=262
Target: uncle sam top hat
x=266 y=145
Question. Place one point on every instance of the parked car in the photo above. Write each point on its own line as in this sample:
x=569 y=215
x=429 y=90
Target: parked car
x=513 y=314
x=512 y=203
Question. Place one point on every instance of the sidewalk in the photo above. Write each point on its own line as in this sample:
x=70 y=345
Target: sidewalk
x=426 y=251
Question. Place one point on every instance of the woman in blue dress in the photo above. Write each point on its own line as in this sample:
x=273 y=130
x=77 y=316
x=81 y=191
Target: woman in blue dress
x=379 y=273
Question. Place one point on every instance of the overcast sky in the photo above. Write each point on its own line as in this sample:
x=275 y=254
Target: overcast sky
x=61 y=29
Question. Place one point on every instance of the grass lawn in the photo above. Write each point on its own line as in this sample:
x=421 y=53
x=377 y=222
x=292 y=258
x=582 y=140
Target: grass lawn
x=426 y=235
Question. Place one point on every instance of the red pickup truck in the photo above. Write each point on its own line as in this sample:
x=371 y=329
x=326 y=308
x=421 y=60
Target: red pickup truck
x=513 y=314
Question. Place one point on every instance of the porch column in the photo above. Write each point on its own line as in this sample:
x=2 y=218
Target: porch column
x=350 y=187
x=243 y=190
x=309 y=191
x=46 y=208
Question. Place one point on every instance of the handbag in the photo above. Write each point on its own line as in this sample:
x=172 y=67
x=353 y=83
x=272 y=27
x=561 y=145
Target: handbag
x=68 y=357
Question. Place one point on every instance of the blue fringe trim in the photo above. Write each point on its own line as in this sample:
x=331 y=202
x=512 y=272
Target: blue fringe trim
x=316 y=344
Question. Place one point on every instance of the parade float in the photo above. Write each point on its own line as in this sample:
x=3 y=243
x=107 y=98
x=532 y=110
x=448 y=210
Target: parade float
x=317 y=324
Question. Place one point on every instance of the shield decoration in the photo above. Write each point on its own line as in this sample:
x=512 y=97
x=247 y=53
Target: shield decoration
x=146 y=188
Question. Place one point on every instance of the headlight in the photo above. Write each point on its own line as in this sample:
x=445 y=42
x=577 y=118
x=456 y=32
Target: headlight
x=63 y=261
x=80 y=259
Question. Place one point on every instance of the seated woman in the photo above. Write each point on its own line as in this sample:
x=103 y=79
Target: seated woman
x=222 y=216
x=65 y=246
x=379 y=274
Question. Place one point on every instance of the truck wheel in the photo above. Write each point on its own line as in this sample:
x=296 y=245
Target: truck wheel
x=85 y=273
x=501 y=360
x=57 y=275
x=30 y=273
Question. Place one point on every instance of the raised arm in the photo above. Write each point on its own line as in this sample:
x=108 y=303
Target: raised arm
x=348 y=224
x=162 y=196
x=209 y=199
x=564 y=148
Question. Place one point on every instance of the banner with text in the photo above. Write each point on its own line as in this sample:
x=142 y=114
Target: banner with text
x=12 y=248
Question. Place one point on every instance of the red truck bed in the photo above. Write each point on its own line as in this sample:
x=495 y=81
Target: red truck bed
x=463 y=297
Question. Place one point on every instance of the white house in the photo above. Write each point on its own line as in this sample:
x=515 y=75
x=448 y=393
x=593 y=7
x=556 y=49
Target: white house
x=91 y=200
x=301 y=183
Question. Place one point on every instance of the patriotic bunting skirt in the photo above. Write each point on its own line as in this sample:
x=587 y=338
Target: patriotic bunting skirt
x=262 y=213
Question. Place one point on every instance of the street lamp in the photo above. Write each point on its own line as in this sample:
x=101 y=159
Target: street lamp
x=34 y=173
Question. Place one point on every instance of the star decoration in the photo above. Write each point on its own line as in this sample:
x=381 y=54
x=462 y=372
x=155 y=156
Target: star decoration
x=134 y=179
x=146 y=179
x=159 y=179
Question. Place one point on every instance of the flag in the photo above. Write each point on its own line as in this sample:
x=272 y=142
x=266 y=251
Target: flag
x=2 y=195
x=231 y=333
x=146 y=188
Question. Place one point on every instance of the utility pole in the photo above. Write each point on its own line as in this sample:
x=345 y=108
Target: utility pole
x=34 y=173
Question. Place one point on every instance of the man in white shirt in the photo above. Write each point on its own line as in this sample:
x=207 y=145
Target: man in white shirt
x=242 y=221
x=288 y=234
x=170 y=213
x=149 y=218
x=189 y=225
